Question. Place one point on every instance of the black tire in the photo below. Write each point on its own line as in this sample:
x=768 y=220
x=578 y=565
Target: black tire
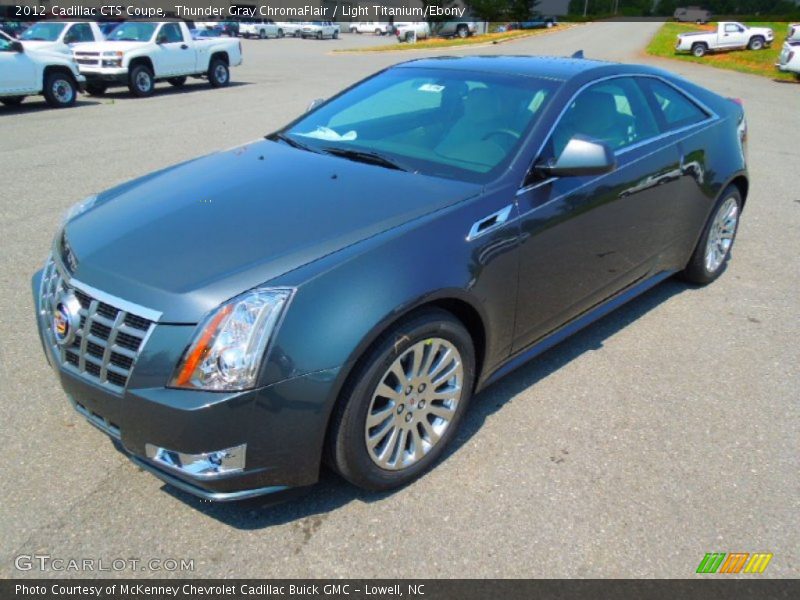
x=140 y=81
x=378 y=32
x=319 y=35
x=699 y=50
x=60 y=89
x=12 y=100
x=262 y=34
x=299 y=34
x=462 y=31
x=756 y=43
x=280 y=33
x=696 y=270
x=96 y=88
x=346 y=447
x=335 y=34
x=177 y=81
x=219 y=75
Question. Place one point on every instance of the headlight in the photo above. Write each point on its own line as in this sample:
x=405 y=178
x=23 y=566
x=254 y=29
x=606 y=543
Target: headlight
x=229 y=346
x=79 y=208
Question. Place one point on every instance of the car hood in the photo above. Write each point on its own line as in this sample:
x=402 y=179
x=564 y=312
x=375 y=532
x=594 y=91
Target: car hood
x=183 y=240
x=108 y=46
x=54 y=47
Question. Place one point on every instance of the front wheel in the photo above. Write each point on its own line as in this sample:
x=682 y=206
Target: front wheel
x=714 y=248
x=177 y=81
x=141 y=82
x=280 y=33
x=335 y=35
x=60 y=90
x=218 y=74
x=262 y=34
x=757 y=43
x=404 y=403
x=12 y=100
x=319 y=35
x=462 y=31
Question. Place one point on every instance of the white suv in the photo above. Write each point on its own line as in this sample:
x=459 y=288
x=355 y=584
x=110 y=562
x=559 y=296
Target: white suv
x=26 y=72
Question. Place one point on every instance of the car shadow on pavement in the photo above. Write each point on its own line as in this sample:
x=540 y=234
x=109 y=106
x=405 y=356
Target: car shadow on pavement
x=41 y=106
x=165 y=89
x=332 y=492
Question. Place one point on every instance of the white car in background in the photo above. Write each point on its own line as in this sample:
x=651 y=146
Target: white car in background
x=729 y=35
x=292 y=28
x=320 y=29
x=25 y=72
x=408 y=31
x=60 y=36
x=375 y=27
x=264 y=29
x=789 y=60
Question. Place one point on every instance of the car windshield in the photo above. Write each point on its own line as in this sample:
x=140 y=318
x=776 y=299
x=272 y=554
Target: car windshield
x=133 y=31
x=43 y=32
x=447 y=123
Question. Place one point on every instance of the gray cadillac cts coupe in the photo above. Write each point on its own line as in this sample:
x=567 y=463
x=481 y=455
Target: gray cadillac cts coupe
x=339 y=290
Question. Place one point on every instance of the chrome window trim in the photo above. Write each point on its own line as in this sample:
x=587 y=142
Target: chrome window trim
x=115 y=301
x=712 y=117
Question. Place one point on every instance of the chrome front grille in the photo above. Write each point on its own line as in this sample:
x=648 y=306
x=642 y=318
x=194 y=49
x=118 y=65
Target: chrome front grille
x=108 y=340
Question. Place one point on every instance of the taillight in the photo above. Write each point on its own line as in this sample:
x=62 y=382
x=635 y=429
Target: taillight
x=790 y=56
x=737 y=101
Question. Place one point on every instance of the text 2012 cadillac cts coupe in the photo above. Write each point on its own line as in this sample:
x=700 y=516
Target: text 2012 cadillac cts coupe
x=340 y=289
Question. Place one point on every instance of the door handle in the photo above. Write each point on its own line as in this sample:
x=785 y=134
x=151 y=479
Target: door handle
x=489 y=223
x=184 y=47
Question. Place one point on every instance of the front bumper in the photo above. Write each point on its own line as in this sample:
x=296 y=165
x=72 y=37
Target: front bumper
x=117 y=74
x=282 y=425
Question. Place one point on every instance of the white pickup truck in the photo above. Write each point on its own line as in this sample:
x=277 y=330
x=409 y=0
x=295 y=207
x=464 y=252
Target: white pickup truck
x=789 y=60
x=408 y=31
x=60 y=36
x=320 y=29
x=266 y=28
x=26 y=72
x=139 y=53
x=728 y=36
x=292 y=28
x=376 y=27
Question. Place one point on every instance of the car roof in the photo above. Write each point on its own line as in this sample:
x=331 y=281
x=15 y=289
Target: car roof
x=551 y=67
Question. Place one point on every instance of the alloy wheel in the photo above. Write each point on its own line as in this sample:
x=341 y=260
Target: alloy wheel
x=414 y=404
x=720 y=235
x=63 y=91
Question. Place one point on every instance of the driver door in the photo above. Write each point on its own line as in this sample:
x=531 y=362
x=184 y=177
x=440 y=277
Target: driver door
x=585 y=238
x=17 y=71
x=174 y=56
x=733 y=36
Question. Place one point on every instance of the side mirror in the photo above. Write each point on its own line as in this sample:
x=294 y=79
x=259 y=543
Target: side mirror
x=315 y=103
x=17 y=47
x=581 y=156
x=161 y=39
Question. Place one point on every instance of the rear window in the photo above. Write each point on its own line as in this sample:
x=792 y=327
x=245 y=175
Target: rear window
x=673 y=109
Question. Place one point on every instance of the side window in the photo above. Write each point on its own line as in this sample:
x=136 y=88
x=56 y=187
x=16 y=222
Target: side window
x=615 y=112
x=82 y=32
x=171 y=33
x=673 y=109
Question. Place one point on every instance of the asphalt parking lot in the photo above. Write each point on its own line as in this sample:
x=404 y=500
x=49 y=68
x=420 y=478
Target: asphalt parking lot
x=667 y=430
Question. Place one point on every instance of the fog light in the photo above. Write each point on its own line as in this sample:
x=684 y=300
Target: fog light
x=208 y=464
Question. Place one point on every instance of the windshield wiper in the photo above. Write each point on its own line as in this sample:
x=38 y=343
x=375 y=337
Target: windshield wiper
x=291 y=141
x=365 y=156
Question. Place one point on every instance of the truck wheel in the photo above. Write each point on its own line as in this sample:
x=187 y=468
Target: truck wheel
x=319 y=35
x=177 y=81
x=12 y=100
x=756 y=43
x=140 y=81
x=218 y=74
x=378 y=32
x=335 y=34
x=262 y=34
x=280 y=33
x=462 y=31
x=60 y=90
x=699 y=50
x=96 y=88
x=298 y=34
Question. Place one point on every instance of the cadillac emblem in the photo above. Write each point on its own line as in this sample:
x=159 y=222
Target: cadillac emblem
x=66 y=319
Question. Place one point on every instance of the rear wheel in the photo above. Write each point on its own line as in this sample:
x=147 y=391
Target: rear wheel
x=12 y=100
x=299 y=33
x=756 y=43
x=96 y=88
x=319 y=35
x=218 y=73
x=262 y=34
x=405 y=402
x=462 y=31
x=699 y=50
x=335 y=34
x=714 y=248
x=60 y=90
x=177 y=81
x=140 y=81
x=280 y=33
